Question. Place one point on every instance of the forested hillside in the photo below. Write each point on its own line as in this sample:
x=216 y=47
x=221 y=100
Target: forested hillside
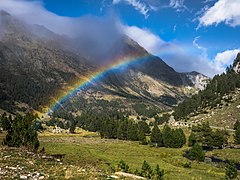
x=216 y=92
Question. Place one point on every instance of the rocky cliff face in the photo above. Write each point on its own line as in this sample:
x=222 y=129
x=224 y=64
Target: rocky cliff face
x=236 y=64
x=195 y=79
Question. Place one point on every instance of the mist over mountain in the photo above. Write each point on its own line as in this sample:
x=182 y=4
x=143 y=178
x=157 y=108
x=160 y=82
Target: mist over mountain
x=37 y=64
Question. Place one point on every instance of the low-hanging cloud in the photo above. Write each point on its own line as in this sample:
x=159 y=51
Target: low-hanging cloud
x=96 y=36
x=93 y=36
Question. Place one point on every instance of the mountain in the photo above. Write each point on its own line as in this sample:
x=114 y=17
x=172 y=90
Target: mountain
x=36 y=65
x=218 y=102
x=195 y=79
x=33 y=67
x=236 y=64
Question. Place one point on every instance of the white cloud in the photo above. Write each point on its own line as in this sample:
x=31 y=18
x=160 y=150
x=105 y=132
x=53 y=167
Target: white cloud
x=224 y=59
x=178 y=5
x=151 y=42
x=138 y=5
x=171 y=53
x=226 y=11
x=203 y=49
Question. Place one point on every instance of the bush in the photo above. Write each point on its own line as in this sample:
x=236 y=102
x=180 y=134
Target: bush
x=196 y=153
x=123 y=166
x=231 y=171
x=187 y=165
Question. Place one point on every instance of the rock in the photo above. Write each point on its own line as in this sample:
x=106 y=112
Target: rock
x=113 y=177
x=41 y=177
x=23 y=177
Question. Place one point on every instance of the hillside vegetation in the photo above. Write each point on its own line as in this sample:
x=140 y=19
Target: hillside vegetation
x=219 y=92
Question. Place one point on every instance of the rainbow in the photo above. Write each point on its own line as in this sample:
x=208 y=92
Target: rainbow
x=83 y=82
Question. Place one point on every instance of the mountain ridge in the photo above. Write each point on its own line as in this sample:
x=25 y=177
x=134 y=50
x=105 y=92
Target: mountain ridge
x=42 y=64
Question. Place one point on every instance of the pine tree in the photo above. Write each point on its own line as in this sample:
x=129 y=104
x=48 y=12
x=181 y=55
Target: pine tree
x=192 y=139
x=132 y=131
x=156 y=136
x=159 y=173
x=122 y=132
x=143 y=126
x=21 y=132
x=167 y=136
x=196 y=153
x=231 y=171
x=146 y=170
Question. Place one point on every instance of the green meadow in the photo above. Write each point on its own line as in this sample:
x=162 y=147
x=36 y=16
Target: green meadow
x=87 y=156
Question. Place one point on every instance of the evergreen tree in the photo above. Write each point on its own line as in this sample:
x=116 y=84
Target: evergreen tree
x=6 y=121
x=122 y=132
x=142 y=138
x=159 y=173
x=143 y=126
x=167 y=136
x=123 y=166
x=178 y=138
x=146 y=170
x=132 y=131
x=21 y=132
x=156 y=136
x=196 y=153
x=231 y=171
x=192 y=139
x=72 y=127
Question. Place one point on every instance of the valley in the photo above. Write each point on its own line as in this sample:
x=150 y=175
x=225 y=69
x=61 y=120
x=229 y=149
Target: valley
x=96 y=91
x=86 y=155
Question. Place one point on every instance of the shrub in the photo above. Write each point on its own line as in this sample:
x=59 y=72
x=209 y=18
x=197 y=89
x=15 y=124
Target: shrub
x=196 y=153
x=231 y=171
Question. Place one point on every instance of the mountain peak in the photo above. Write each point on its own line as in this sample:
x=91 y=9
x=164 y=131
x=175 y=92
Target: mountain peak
x=4 y=13
x=236 y=63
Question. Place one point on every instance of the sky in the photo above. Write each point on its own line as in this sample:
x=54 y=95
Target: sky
x=189 y=35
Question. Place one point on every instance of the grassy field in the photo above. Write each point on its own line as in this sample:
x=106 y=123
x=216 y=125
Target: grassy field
x=87 y=156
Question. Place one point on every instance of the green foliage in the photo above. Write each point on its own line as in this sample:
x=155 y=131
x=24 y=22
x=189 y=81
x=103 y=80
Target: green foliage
x=144 y=110
x=156 y=136
x=192 y=139
x=196 y=153
x=187 y=165
x=21 y=132
x=146 y=170
x=5 y=122
x=72 y=127
x=203 y=134
x=143 y=126
x=219 y=86
x=162 y=119
x=123 y=166
x=159 y=173
x=173 y=138
x=231 y=171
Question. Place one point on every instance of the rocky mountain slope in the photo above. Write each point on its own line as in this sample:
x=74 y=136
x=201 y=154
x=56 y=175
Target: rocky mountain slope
x=218 y=103
x=37 y=64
